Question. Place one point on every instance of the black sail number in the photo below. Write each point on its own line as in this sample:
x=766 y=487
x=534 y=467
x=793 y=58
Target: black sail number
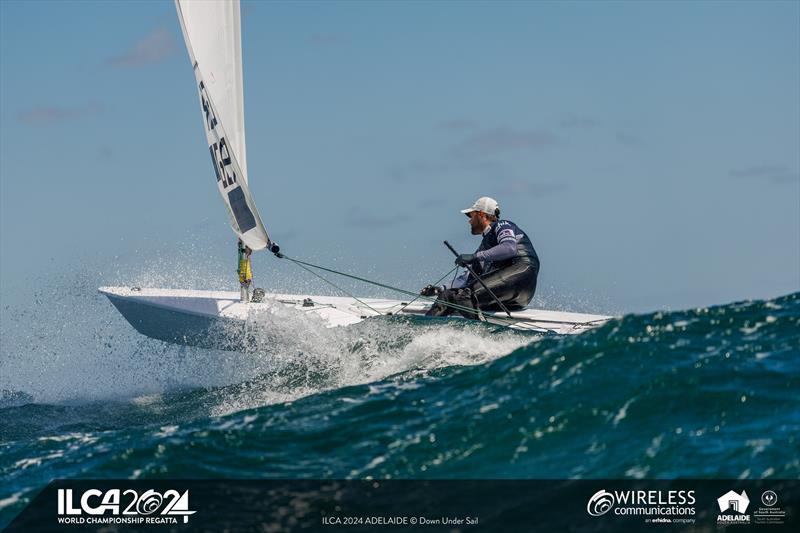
x=220 y=152
x=208 y=112
x=221 y=159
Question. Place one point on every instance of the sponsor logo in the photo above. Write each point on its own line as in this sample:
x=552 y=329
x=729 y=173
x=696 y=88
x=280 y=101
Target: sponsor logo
x=769 y=498
x=736 y=502
x=600 y=503
x=505 y=234
x=771 y=513
x=656 y=506
x=117 y=506
x=733 y=508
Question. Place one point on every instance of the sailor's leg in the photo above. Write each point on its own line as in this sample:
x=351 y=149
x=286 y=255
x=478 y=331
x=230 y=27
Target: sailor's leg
x=525 y=281
x=439 y=308
x=443 y=304
x=514 y=286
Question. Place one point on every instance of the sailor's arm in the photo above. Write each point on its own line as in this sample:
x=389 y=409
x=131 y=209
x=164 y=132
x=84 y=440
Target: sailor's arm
x=506 y=246
x=504 y=250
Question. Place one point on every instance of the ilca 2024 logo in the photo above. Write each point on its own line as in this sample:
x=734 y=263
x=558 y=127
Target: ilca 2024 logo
x=116 y=506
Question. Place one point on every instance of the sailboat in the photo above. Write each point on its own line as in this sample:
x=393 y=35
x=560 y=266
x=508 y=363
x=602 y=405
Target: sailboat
x=212 y=32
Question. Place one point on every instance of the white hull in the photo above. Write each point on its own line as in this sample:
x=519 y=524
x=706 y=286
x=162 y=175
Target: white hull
x=207 y=318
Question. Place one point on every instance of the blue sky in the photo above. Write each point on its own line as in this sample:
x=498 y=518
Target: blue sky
x=649 y=149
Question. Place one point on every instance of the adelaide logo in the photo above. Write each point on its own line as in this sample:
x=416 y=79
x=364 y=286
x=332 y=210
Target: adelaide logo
x=733 y=508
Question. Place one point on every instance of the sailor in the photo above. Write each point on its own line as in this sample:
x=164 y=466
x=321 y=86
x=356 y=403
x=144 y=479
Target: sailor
x=505 y=261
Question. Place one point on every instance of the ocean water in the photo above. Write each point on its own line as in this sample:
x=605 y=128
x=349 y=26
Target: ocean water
x=710 y=392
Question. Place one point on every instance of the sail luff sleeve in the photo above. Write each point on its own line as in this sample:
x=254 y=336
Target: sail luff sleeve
x=211 y=32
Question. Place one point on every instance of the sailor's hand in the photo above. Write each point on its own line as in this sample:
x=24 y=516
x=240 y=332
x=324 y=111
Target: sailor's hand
x=465 y=259
x=430 y=290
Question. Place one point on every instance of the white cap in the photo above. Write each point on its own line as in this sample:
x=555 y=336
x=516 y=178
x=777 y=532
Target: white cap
x=484 y=204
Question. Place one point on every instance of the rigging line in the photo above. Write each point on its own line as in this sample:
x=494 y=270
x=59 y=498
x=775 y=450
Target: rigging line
x=357 y=278
x=503 y=320
x=435 y=284
x=382 y=285
x=509 y=321
x=457 y=307
x=299 y=263
x=454 y=275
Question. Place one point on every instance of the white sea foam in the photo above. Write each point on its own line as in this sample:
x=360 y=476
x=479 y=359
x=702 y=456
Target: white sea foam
x=70 y=345
x=295 y=355
x=11 y=500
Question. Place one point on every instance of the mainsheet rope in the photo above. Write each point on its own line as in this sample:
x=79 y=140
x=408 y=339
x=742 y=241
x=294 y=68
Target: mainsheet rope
x=298 y=263
x=304 y=264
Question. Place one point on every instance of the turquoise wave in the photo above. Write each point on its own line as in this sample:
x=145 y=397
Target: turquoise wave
x=708 y=392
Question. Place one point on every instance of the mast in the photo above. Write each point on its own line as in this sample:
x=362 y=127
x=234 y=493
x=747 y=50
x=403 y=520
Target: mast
x=212 y=32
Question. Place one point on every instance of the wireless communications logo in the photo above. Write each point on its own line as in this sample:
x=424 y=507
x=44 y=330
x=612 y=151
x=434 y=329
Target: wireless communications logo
x=653 y=506
x=115 y=506
x=600 y=503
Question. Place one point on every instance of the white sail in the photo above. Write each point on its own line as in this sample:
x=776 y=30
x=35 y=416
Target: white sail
x=212 y=31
